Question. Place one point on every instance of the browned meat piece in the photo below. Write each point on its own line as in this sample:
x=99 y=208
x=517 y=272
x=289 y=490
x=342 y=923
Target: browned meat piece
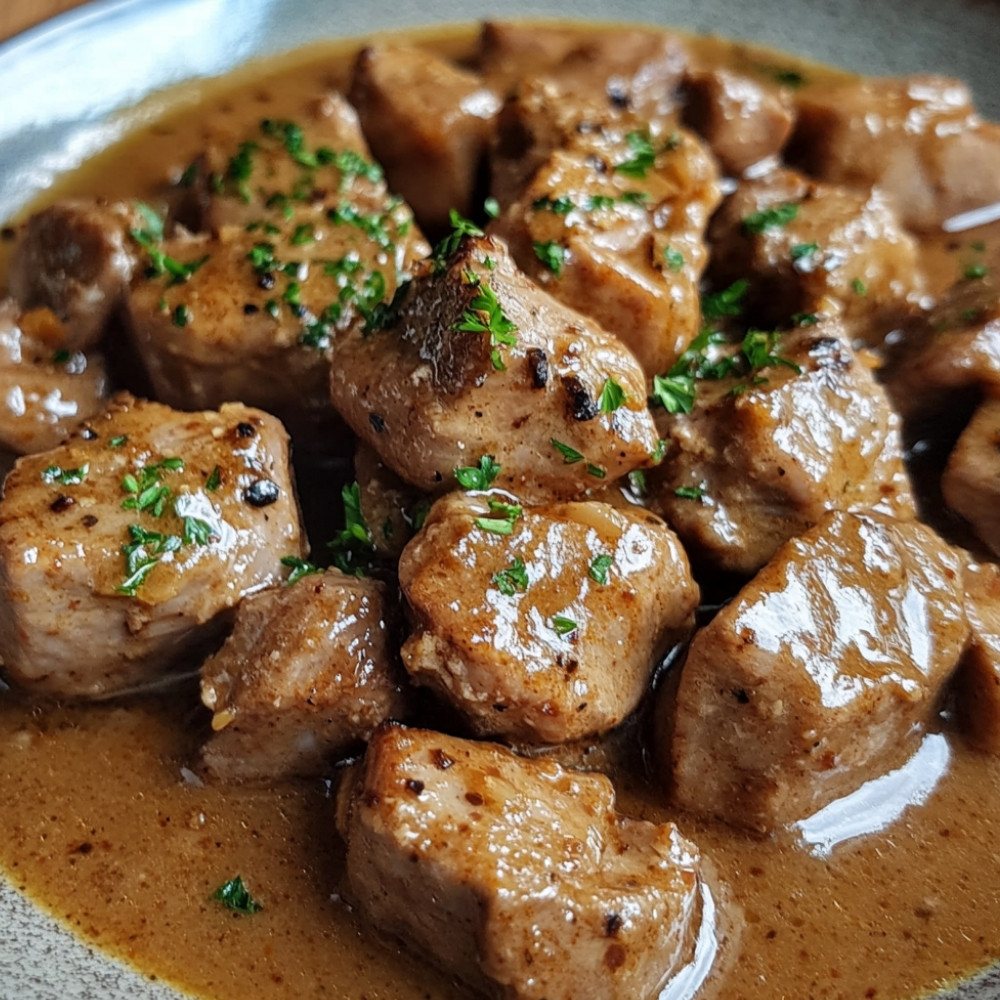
x=762 y=455
x=550 y=632
x=620 y=68
x=308 y=673
x=480 y=361
x=743 y=120
x=971 y=480
x=976 y=684
x=392 y=508
x=517 y=876
x=76 y=258
x=259 y=304
x=45 y=390
x=918 y=138
x=955 y=350
x=807 y=247
x=824 y=670
x=428 y=123
x=613 y=224
x=121 y=549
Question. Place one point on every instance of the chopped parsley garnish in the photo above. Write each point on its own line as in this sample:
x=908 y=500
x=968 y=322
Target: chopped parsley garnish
x=801 y=250
x=235 y=896
x=789 y=77
x=569 y=454
x=674 y=258
x=599 y=567
x=460 y=228
x=484 y=315
x=596 y=471
x=564 y=625
x=353 y=548
x=181 y=316
x=491 y=207
x=512 y=579
x=196 y=531
x=61 y=357
x=612 y=396
x=805 y=319
x=117 y=442
x=142 y=556
x=478 y=477
x=214 y=480
x=728 y=302
x=551 y=254
x=55 y=474
x=643 y=156
x=689 y=492
x=503 y=517
x=146 y=490
x=771 y=218
x=860 y=288
x=561 y=205
x=675 y=393
x=974 y=271
x=299 y=568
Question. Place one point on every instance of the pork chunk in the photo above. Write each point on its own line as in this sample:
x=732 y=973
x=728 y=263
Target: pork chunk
x=260 y=302
x=955 y=351
x=743 y=120
x=428 y=123
x=619 y=238
x=622 y=68
x=971 y=480
x=976 y=685
x=45 y=389
x=76 y=257
x=517 y=876
x=550 y=632
x=762 y=455
x=918 y=138
x=812 y=248
x=308 y=673
x=480 y=361
x=822 y=672
x=122 y=549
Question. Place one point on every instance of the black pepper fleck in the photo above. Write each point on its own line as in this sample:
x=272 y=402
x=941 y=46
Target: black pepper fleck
x=414 y=786
x=245 y=430
x=538 y=363
x=261 y=493
x=266 y=281
x=89 y=434
x=61 y=503
x=249 y=309
x=583 y=406
x=89 y=520
x=377 y=422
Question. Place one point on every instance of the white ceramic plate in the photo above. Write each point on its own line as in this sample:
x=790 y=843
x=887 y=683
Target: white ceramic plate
x=64 y=81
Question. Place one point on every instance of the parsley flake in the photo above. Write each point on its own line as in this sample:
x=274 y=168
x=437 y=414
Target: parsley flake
x=689 y=492
x=299 y=568
x=569 y=454
x=485 y=315
x=612 y=396
x=235 y=896
x=55 y=474
x=563 y=625
x=478 y=477
x=551 y=254
x=599 y=567
x=675 y=393
x=512 y=579
x=771 y=218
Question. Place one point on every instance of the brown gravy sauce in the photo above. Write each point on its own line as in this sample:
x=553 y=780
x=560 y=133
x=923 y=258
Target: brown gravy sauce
x=101 y=827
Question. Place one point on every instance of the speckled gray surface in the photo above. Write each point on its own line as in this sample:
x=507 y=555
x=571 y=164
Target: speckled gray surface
x=111 y=53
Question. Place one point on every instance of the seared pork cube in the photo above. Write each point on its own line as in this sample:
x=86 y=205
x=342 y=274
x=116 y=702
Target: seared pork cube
x=955 y=351
x=764 y=452
x=307 y=674
x=971 y=480
x=542 y=624
x=77 y=257
x=976 y=684
x=478 y=361
x=517 y=876
x=123 y=550
x=918 y=138
x=613 y=224
x=428 y=123
x=743 y=120
x=251 y=312
x=822 y=673
x=620 y=68
x=45 y=389
x=391 y=508
x=808 y=248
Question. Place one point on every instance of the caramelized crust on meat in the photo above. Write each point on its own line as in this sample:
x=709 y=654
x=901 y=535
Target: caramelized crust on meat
x=761 y=458
x=517 y=876
x=549 y=633
x=76 y=258
x=121 y=550
x=822 y=672
x=308 y=673
x=45 y=389
x=480 y=361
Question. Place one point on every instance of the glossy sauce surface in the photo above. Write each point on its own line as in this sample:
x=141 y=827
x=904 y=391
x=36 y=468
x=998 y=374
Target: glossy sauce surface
x=103 y=825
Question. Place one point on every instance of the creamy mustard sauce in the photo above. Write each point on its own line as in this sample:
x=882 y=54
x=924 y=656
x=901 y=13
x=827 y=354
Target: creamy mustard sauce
x=103 y=825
